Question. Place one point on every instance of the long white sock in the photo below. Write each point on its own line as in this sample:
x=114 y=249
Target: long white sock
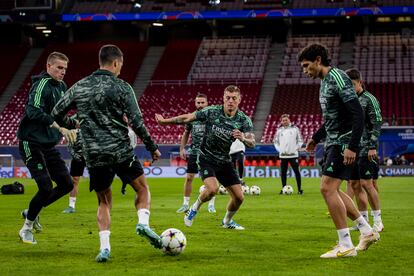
x=72 y=202
x=364 y=214
x=186 y=200
x=229 y=215
x=28 y=224
x=143 y=216
x=196 y=206
x=104 y=238
x=345 y=238
x=363 y=226
x=377 y=215
x=211 y=202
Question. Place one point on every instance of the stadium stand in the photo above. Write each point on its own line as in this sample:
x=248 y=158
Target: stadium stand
x=174 y=99
x=12 y=55
x=231 y=58
x=83 y=60
x=176 y=62
x=387 y=63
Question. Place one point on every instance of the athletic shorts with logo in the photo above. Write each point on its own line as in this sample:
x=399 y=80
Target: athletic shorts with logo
x=363 y=169
x=192 y=164
x=101 y=177
x=42 y=161
x=333 y=163
x=224 y=171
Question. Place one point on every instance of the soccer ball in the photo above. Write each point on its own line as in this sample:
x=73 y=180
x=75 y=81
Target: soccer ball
x=255 y=190
x=245 y=189
x=202 y=188
x=173 y=241
x=287 y=190
x=223 y=190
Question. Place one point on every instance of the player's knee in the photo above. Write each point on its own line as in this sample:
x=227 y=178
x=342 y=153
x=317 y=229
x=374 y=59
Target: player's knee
x=238 y=199
x=326 y=190
x=189 y=178
x=64 y=181
x=45 y=185
x=212 y=191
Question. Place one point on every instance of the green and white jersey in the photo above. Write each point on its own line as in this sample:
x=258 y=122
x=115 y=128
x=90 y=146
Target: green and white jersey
x=336 y=89
x=101 y=100
x=373 y=122
x=196 y=128
x=218 y=131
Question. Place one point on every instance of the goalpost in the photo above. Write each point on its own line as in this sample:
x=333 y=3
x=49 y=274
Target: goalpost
x=6 y=160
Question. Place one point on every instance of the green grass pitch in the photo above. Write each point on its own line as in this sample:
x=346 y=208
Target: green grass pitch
x=284 y=234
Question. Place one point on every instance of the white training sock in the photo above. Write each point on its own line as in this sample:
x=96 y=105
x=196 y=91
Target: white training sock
x=377 y=215
x=28 y=224
x=196 y=206
x=229 y=215
x=345 y=238
x=186 y=200
x=143 y=216
x=72 y=201
x=211 y=202
x=363 y=226
x=364 y=214
x=104 y=238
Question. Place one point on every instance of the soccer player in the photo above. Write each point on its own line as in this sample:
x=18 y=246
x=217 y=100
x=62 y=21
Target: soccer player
x=287 y=142
x=101 y=100
x=224 y=124
x=237 y=150
x=196 y=129
x=342 y=128
x=366 y=168
x=38 y=134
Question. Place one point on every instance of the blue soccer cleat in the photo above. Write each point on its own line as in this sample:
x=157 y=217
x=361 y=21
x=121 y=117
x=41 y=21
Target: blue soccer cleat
x=103 y=256
x=146 y=232
x=189 y=217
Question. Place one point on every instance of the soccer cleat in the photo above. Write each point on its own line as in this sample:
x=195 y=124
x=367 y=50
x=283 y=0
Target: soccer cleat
x=36 y=224
x=232 y=225
x=189 y=217
x=211 y=209
x=26 y=236
x=146 y=232
x=103 y=256
x=69 y=210
x=281 y=192
x=300 y=192
x=183 y=208
x=378 y=227
x=339 y=251
x=365 y=241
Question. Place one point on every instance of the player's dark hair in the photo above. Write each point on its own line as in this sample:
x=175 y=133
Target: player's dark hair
x=312 y=51
x=108 y=53
x=201 y=95
x=354 y=74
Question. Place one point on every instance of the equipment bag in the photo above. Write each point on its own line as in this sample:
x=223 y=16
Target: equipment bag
x=12 y=189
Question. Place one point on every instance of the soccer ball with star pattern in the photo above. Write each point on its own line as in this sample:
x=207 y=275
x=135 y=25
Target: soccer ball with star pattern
x=173 y=241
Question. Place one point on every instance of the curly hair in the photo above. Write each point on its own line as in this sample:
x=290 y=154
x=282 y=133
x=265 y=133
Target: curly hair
x=312 y=51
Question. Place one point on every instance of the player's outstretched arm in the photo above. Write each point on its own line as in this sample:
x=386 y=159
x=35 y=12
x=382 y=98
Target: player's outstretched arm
x=181 y=119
